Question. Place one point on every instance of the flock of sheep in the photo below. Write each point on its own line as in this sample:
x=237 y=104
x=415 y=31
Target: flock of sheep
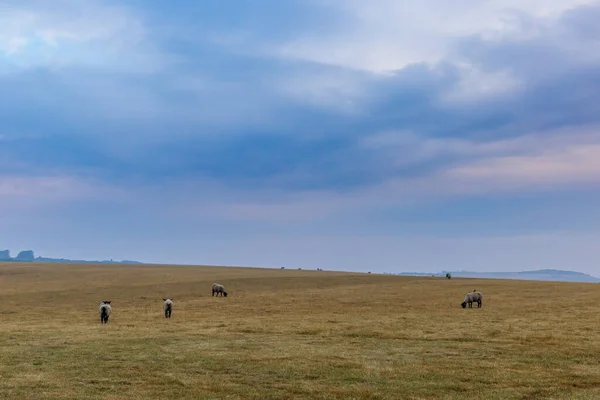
x=105 y=308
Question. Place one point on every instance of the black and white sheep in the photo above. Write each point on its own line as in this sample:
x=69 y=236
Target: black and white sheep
x=217 y=288
x=104 y=310
x=474 y=296
x=168 y=307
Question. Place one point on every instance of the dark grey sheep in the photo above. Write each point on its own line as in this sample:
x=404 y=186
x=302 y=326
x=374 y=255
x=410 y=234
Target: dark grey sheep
x=168 y=307
x=105 y=310
x=217 y=288
x=472 y=297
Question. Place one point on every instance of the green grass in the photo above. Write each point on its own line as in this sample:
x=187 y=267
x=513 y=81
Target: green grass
x=285 y=334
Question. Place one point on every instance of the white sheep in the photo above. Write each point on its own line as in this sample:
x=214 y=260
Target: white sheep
x=474 y=296
x=105 y=310
x=217 y=288
x=168 y=307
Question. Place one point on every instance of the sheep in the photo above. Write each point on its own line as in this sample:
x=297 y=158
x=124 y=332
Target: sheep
x=217 y=288
x=168 y=306
x=104 y=310
x=474 y=296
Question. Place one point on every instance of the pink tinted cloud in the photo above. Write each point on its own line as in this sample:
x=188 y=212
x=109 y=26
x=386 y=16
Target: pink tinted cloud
x=18 y=192
x=541 y=161
x=573 y=165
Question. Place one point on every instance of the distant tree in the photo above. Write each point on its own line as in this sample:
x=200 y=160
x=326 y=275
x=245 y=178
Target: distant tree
x=448 y=276
x=25 y=255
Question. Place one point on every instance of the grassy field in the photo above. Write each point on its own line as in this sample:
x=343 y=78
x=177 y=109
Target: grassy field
x=285 y=334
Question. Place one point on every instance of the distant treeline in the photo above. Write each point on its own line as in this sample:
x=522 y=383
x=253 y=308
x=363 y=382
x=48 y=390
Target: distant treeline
x=29 y=256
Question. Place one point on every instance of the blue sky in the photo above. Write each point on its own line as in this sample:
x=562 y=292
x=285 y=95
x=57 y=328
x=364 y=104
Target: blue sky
x=354 y=135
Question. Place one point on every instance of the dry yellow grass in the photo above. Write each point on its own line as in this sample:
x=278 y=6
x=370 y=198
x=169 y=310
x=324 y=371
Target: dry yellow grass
x=285 y=334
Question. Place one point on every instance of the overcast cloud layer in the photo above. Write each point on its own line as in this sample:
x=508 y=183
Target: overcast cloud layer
x=342 y=134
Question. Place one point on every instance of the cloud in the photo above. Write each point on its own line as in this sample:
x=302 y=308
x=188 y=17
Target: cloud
x=539 y=161
x=94 y=33
x=279 y=180
x=229 y=86
x=475 y=84
x=481 y=44
x=34 y=186
x=51 y=187
x=441 y=170
x=330 y=88
x=574 y=165
x=385 y=35
x=34 y=200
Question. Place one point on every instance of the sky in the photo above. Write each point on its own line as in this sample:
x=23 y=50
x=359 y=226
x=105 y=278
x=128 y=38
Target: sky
x=353 y=135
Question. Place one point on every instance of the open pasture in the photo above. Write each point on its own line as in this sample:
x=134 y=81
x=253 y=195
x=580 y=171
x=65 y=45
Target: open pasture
x=288 y=334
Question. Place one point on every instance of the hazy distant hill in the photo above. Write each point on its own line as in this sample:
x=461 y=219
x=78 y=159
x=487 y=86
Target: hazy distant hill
x=28 y=256
x=538 y=275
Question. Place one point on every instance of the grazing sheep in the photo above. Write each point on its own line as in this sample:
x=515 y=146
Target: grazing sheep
x=168 y=306
x=104 y=310
x=216 y=288
x=474 y=296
